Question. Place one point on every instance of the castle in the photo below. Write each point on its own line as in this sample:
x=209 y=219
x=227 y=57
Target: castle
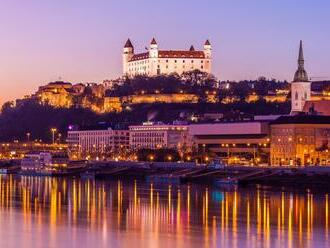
x=156 y=62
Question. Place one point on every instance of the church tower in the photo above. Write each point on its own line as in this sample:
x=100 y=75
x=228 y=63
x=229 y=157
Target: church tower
x=301 y=86
x=128 y=53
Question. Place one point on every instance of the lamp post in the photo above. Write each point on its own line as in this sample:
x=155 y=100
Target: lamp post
x=53 y=130
x=28 y=136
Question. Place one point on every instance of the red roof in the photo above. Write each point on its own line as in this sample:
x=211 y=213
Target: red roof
x=128 y=44
x=322 y=106
x=153 y=42
x=140 y=56
x=171 y=54
x=181 y=54
x=207 y=43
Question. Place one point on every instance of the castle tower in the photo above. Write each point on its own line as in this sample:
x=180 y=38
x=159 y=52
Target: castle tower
x=153 y=55
x=208 y=56
x=128 y=53
x=153 y=52
x=301 y=86
x=207 y=49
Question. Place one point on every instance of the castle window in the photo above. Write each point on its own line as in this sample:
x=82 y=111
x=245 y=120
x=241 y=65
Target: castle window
x=202 y=61
x=167 y=61
x=296 y=96
x=202 y=67
x=183 y=61
x=175 y=61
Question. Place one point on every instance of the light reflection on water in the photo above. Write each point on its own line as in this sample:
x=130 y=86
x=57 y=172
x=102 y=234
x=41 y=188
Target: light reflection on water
x=50 y=212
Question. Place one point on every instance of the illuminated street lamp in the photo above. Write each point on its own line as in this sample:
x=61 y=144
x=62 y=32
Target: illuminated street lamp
x=28 y=136
x=53 y=130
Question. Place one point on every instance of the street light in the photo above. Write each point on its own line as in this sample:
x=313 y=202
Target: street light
x=53 y=130
x=28 y=136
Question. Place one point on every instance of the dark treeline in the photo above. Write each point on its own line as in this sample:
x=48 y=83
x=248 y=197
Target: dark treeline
x=30 y=116
x=195 y=82
x=198 y=83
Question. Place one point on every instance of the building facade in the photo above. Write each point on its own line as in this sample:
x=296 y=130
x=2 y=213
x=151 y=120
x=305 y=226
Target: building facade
x=157 y=62
x=300 y=140
x=95 y=143
x=158 y=135
x=301 y=86
x=235 y=142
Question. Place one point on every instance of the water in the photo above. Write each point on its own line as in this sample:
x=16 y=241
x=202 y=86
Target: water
x=49 y=212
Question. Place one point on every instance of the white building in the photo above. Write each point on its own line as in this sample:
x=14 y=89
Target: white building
x=156 y=62
x=301 y=86
x=158 y=135
x=97 y=143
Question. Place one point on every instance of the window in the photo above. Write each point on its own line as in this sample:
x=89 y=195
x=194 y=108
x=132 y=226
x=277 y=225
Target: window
x=167 y=61
x=296 y=96
x=175 y=61
x=183 y=61
x=192 y=61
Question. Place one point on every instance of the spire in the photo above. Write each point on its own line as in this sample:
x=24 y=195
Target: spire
x=128 y=44
x=191 y=49
x=301 y=56
x=153 y=42
x=301 y=74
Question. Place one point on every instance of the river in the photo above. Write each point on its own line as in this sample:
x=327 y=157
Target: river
x=54 y=212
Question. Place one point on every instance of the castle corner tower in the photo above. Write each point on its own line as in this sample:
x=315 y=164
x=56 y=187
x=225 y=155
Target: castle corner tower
x=128 y=53
x=301 y=86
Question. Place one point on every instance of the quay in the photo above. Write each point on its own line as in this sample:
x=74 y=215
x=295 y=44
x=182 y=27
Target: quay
x=173 y=172
x=189 y=172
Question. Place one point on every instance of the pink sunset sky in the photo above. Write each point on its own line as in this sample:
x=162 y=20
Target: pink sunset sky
x=81 y=41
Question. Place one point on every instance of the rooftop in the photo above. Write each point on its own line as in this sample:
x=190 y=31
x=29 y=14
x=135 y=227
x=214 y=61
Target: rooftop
x=302 y=119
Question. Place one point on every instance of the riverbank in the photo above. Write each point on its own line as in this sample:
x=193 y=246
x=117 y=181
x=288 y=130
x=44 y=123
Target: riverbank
x=316 y=176
x=181 y=173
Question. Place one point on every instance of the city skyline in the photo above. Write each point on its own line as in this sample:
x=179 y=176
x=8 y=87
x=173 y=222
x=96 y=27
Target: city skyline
x=83 y=42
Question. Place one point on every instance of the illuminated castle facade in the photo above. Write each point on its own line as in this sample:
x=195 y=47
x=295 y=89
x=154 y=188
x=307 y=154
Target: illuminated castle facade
x=157 y=62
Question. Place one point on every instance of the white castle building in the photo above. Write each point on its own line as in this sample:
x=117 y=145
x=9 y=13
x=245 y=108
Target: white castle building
x=301 y=86
x=156 y=62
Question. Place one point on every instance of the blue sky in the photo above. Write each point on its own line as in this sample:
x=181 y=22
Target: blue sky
x=81 y=41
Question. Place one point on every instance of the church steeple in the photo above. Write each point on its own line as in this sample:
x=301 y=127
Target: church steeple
x=301 y=74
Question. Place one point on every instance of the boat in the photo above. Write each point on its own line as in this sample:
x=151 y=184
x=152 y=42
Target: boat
x=47 y=164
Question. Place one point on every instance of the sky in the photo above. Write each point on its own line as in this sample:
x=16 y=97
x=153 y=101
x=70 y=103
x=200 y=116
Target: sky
x=81 y=40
